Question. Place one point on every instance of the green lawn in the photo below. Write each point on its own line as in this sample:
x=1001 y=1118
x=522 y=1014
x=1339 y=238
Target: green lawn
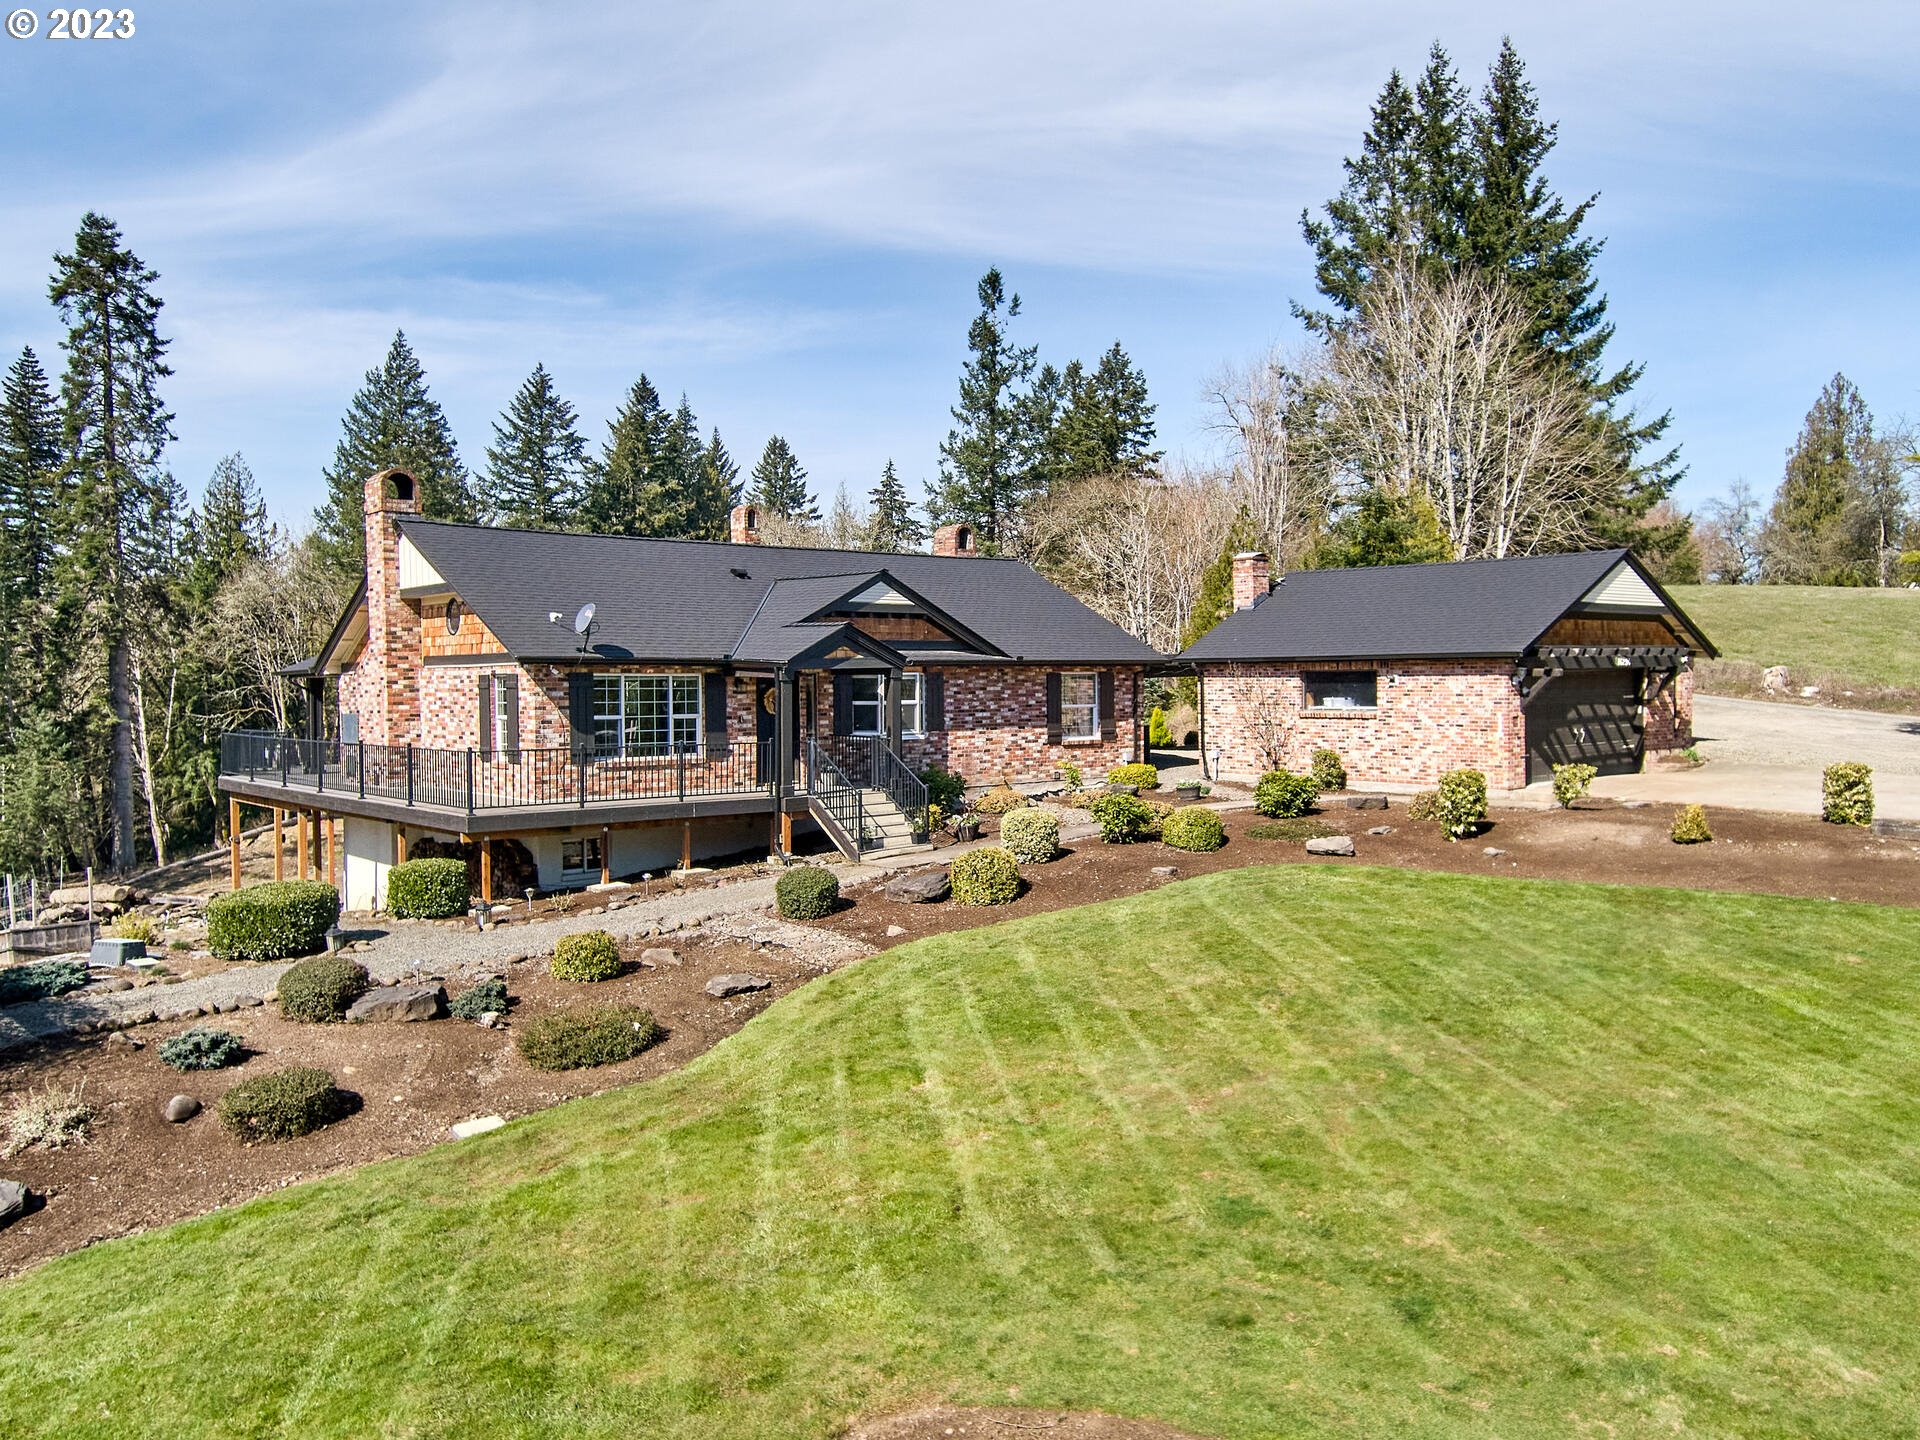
x=1866 y=636
x=1279 y=1151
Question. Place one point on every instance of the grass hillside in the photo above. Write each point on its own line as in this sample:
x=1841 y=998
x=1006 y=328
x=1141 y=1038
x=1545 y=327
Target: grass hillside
x=1839 y=639
x=1294 y=1151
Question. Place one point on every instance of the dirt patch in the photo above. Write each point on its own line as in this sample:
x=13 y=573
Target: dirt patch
x=1757 y=853
x=942 y=1421
x=136 y=1170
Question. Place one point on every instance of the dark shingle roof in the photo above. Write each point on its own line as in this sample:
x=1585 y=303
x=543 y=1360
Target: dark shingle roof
x=1471 y=608
x=680 y=600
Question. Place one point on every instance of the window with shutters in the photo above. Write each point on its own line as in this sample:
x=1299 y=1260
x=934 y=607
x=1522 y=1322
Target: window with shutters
x=867 y=697
x=1080 y=705
x=639 y=716
x=500 y=722
x=913 y=714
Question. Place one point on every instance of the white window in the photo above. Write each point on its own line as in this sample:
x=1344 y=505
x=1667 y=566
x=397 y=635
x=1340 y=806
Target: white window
x=913 y=716
x=869 y=697
x=645 y=715
x=582 y=856
x=500 y=723
x=1080 y=705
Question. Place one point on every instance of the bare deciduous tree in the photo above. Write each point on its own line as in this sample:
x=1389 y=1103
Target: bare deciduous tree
x=1729 y=530
x=1266 y=410
x=276 y=610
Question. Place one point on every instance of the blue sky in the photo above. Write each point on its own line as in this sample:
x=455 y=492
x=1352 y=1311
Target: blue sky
x=782 y=211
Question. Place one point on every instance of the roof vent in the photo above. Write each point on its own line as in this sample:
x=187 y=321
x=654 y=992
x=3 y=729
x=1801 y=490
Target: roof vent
x=738 y=573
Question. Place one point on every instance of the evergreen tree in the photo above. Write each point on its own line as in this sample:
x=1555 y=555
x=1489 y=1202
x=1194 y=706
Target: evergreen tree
x=229 y=529
x=720 y=491
x=984 y=479
x=697 y=510
x=392 y=423
x=625 y=494
x=115 y=427
x=537 y=460
x=1810 y=538
x=1107 y=427
x=1214 y=601
x=780 y=485
x=892 y=525
x=30 y=493
x=1383 y=527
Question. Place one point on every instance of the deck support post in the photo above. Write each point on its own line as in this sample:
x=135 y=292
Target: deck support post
x=606 y=854
x=686 y=845
x=332 y=849
x=786 y=737
x=786 y=832
x=233 y=841
x=301 y=853
x=279 y=848
x=399 y=845
x=486 y=870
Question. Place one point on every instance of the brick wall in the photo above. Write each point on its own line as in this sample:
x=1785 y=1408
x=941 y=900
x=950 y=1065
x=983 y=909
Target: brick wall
x=382 y=686
x=1670 y=716
x=997 y=727
x=1433 y=716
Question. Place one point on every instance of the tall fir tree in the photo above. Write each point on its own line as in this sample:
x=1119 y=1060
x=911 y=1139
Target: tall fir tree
x=537 y=462
x=891 y=523
x=122 y=521
x=1811 y=537
x=1107 y=426
x=720 y=490
x=1381 y=526
x=624 y=494
x=985 y=465
x=698 y=508
x=392 y=423
x=779 y=484
x=228 y=529
x=30 y=518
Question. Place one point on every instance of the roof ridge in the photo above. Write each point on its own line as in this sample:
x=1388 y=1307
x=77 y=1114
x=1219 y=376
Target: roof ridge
x=1617 y=552
x=681 y=540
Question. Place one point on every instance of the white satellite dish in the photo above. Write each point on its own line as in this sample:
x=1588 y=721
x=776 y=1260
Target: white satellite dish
x=583 y=619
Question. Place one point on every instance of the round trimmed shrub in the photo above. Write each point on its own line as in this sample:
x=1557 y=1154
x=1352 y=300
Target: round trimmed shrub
x=577 y=1039
x=274 y=921
x=1328 y=770
x=1846 y=792
x=989 y=876
x=1193 y=829
x=590 y=955
x=427 y=889
x=1570 y=782
x=999 y=800
x=807 y=893
x=1140 y=776
x=489 y=996
x=1122 y=819
x=1690 y=826
x=202 y=1048
x=320 y=990
x=1460 y=802
x=1282 y=795
x=1032 y=835
x=283 y=1105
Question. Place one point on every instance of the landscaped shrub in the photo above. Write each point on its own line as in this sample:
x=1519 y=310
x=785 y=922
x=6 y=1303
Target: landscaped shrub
x=1328 y=771
x=1281 y=794
x=806 y=893
x=944 y=788
x=1460 y=804
x=1193 y=829
x=1570 y=782
x=590 y=955
x=1071 y=775
x=1032 y=835
x=489 y=997
x=135 y=927
x=1122 y=819
x=1847 y=794
x=283 y=1105
x=1424 y=806
x=1295 y=830
x=41 y=980
x=273 y=921
x=52 y=1118
x=320 y=990
x=430 y=889
x=1159 y=733
x=1690 y=826
x=1000 y=800
x=576 y=1039
x=988 y=876
x=202 y=1048
x=1140 y=776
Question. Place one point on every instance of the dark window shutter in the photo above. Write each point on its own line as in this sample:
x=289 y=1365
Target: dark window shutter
x=716 y=717
x=933 y=700
x=1053 y=707
x=1104 y=683
x=512 y=737
x=580 y=712
x=842 y=704
x=486 y=717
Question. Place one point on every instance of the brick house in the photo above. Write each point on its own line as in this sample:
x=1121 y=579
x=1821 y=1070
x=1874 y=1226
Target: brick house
x=613 y=705
x=1504 y=666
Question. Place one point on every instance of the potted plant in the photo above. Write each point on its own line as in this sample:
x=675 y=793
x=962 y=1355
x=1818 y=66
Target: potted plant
x=1188 y=792
x=966 y=826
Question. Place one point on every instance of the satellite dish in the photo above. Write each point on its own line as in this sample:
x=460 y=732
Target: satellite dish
x=583 y=619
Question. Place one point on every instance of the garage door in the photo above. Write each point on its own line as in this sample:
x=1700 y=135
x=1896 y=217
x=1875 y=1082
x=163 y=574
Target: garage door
x=1586 y=717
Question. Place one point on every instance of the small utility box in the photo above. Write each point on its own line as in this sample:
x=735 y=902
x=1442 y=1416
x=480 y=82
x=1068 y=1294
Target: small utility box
x=113 y=951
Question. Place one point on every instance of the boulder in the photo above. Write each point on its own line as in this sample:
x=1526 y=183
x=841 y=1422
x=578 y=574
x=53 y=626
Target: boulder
x=180 y=1109
x=1164 y=870
x=894 y=931
x=1331 y=845
x=1366 y=802
x=721 y=986
x=1379 y=830
x=13 y=1201
x=477 y=1126
x=1118 y=789
x=1493 y=850
x=929 y=887
x=659 y=955
x=1773 y=679
x=120 y=1040
x=400 y=1003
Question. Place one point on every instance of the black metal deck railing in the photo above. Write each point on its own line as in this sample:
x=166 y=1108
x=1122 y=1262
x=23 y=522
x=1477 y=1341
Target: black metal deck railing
x=471 y=781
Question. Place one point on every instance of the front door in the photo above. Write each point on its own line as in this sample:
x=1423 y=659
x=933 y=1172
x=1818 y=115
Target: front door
x=764 y=701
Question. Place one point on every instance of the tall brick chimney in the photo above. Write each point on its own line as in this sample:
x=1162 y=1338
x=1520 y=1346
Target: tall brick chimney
x=744 y=525
x=1252 y=578
x=954 y=541
x=389 y=698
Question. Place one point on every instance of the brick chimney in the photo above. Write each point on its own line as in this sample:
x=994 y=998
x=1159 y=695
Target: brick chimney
x=954 y=541
x=388 y=698
x=744 y=525
x=1252 y=578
